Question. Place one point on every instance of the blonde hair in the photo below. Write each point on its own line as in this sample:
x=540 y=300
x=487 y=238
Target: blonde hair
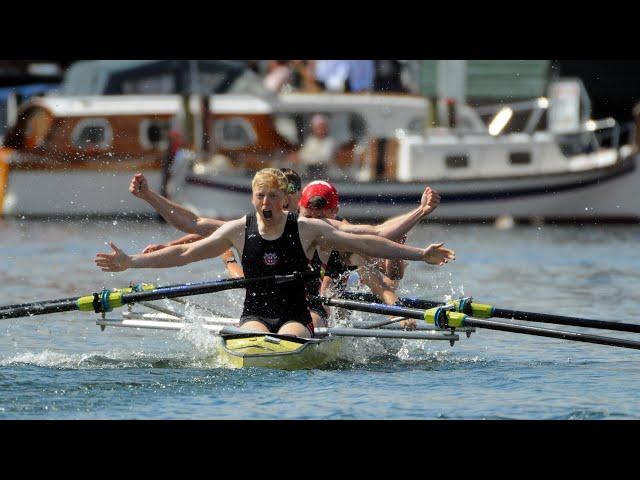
x=271 y=178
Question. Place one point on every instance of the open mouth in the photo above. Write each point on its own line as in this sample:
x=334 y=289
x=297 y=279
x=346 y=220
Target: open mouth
x=267 y=213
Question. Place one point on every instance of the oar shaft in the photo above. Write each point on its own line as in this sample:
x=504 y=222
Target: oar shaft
x=374 y=308
x=483 y=323
x=28 y=310
x=562 y=320
x=116 y=299
x=547 y=332
x=405 y=302
x=512 y=314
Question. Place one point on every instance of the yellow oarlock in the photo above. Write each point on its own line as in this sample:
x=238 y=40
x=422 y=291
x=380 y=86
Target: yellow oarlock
x=478 y=310
x=114 y=298
x=442 y=318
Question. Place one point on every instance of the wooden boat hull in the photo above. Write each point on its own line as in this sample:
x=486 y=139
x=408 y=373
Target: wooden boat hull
x=277 y=351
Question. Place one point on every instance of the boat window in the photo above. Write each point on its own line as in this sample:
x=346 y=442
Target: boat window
x=94 y=132
x=157 y=84
x=520 y=158
x=234 y=133
x=155 y=133
x=457 y=161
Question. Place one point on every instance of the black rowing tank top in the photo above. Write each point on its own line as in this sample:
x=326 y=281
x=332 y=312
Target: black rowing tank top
x=282 y=256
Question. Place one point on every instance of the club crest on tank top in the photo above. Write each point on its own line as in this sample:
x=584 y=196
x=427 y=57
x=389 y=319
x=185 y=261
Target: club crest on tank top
x=270 y=259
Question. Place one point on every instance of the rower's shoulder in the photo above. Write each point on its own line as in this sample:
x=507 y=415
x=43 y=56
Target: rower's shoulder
x=312 y=222
x=234 y=225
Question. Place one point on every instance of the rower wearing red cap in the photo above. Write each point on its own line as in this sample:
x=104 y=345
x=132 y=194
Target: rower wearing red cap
x=320 y=200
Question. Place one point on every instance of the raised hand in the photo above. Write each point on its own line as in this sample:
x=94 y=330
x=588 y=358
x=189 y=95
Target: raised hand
x=430 y=200
x=154 y=247
x=139 y=186
x=436 y=254
x=117 y=261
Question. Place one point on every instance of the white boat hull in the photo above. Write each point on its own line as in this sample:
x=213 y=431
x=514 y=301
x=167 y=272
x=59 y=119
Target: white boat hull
x=608 y=193
x=74 y=193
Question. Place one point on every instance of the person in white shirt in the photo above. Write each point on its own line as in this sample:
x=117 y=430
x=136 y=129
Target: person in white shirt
x=318 y=150
x=279 y=74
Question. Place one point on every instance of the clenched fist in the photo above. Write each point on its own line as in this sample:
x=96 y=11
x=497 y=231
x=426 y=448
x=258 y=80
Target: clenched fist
x=430 y=200
x=139 y=186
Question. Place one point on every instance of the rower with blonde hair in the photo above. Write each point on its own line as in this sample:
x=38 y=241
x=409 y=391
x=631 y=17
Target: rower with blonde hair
x=272 y=241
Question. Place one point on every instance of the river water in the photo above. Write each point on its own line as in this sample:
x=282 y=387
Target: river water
x=62 y=366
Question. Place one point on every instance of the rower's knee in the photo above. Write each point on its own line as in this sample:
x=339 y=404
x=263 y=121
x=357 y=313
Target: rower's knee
x=295 y=328
x=254 y=326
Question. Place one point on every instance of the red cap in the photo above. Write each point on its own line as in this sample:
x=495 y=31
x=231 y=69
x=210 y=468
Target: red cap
x=323 y=190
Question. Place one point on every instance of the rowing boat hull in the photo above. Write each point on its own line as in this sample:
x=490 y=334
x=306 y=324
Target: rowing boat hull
x=278 y=351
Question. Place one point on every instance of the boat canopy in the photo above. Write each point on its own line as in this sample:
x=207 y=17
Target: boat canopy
x=117 y=77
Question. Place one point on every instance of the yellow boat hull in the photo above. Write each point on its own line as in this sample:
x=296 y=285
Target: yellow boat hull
x=277 y=351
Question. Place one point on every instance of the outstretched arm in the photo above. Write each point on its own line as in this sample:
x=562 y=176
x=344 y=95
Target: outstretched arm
x=323 y=235
x=396 y=227
x=175 y=256
x=176 y=215
x=228 y=257
x=190 y=238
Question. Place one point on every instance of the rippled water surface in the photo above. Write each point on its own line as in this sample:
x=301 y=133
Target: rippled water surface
x=61 y=366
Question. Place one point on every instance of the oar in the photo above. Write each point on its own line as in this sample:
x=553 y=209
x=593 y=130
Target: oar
x=443 y=318
x=488 y=311
x=383 y=323
x=107 y=300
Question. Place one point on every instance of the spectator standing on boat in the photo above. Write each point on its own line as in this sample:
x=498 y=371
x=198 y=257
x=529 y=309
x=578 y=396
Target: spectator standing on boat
x=361 y=75
x=175 y=143
x=278 y=75
x=332 y=75
x=318 y=150
x=303 y=76
x=388 y=76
